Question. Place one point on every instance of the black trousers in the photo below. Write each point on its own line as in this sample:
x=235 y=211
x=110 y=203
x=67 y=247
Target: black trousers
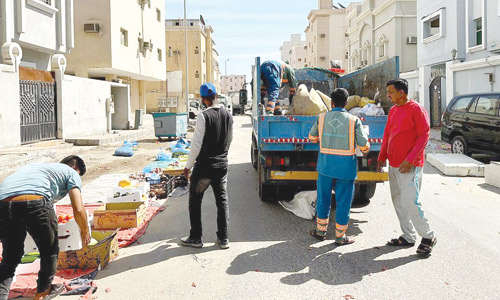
x=200 y=181
x=38 y=218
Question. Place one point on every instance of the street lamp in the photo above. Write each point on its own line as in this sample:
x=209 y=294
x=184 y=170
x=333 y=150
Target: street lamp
x=225 y=66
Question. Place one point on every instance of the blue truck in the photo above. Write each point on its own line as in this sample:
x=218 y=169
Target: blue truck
x=281 y=152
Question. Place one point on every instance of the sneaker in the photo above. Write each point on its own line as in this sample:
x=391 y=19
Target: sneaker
x=223 y=244
x=189 y=242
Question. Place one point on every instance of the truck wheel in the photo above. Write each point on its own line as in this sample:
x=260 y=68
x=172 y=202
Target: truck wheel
x=254 y=154
x=265 y=190
x=363 y=193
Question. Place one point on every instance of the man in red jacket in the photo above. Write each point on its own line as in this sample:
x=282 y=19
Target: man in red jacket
x=405 y=137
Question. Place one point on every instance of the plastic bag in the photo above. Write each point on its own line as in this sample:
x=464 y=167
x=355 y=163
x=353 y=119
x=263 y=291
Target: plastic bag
x=371 y=110
x=130 y=144
x=163 y=156
x=124 y=151
x=303 y=204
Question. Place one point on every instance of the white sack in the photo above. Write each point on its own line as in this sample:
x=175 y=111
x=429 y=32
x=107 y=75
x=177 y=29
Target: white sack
x=303 y=204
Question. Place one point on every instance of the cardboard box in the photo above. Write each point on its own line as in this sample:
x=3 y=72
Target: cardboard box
x=68 y=236
x=90 y=257
x=134 y=197
x=119 y=215
x=142 y=187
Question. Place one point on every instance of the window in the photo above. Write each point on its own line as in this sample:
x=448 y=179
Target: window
x=124 y=37
x=433 y=26
x=300 y=59
x=197 y=75
x=478 y=24
x=485 y=105
x=461 y=104
x=159 y=55
x=177 y=24
x=196 y=50
x=158 y=15
x=48 y=2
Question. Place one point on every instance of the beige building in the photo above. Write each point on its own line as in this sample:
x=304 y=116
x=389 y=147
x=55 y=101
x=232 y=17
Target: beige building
x=298 y=57
x=286 y=48
x=232 y=83
x=202 y=61
x=121 y=41
x=325 y=36
x=381 y=29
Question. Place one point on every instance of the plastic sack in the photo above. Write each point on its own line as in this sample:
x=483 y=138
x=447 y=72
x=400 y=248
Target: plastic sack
x=352 y=101
x=180 y=150
x=163 y=156
x=303 y=204
x=364 y=101
x=130 y=144
x=355 y=111
x=126 y=151
x=371 y=110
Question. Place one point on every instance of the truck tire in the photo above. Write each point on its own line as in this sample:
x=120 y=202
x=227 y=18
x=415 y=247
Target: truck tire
x=363 y=193
x=265 y=193
x=254 y=154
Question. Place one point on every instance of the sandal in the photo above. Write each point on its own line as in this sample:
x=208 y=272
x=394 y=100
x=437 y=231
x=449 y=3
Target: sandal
x=346 y=240
x=425 y=247
x=315 y=234
x=400 y=242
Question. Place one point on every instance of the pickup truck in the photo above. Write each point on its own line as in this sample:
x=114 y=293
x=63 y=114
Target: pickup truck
x=281 y=152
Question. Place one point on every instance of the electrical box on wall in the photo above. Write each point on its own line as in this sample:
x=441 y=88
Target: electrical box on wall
x=110 y=105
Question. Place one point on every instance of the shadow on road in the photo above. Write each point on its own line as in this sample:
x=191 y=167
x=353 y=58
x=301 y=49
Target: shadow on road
x=490 y=188
x=322 y=263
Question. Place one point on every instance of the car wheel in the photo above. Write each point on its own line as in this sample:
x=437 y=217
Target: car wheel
x=459 y=146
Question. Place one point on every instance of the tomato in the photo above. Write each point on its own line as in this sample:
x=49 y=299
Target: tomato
x=60 y=218
x=68 y=217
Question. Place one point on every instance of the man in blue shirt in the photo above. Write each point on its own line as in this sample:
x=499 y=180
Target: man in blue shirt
x=26 y=206
x=338 y=134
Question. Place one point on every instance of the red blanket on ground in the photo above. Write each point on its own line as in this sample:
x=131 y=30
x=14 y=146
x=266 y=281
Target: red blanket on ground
x=25 y=285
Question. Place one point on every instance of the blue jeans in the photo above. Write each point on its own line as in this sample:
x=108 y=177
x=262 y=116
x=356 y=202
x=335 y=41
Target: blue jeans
x=201 y=179
x=38 y=218
x=344 y=193
x=271 y=76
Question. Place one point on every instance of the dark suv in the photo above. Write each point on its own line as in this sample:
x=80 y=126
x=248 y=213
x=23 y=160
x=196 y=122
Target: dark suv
x=471 y=124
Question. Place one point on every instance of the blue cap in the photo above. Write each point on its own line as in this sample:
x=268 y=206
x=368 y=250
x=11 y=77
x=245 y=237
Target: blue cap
x=207 y=89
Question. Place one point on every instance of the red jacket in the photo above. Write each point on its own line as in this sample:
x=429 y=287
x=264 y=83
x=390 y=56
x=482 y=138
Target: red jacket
x=406 y=135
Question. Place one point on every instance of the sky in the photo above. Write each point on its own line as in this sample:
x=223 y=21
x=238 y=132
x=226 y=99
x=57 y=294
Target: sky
x=246 y=29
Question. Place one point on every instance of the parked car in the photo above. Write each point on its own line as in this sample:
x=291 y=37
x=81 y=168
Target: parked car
x=471 y=124
x=194 y=108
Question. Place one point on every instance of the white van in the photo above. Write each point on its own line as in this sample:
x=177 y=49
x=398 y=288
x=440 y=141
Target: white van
x=226 y=101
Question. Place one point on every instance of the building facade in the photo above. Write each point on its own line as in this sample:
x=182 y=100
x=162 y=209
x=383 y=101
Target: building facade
x=120 y=41
x=458 y=50
x=288 y=46
x=41 y=27
x=203 y=60
x=298 y=57
x=232 y=83
x=381 y=29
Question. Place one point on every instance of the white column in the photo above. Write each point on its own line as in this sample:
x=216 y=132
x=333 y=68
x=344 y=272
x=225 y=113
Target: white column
x=450 y=82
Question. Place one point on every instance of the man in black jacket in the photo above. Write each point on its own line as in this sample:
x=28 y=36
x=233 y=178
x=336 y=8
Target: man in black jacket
x=209 y=148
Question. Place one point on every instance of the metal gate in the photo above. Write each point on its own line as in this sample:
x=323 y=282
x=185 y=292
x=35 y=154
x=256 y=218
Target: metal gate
x=38 y=111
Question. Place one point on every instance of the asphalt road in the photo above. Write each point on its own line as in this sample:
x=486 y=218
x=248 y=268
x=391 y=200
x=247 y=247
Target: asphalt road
x=272 y=256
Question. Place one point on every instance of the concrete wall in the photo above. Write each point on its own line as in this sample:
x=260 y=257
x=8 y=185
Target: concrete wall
x=336 y=37
x=295 y=41
x=81 y=106
x=413 y=85
x=10 y=120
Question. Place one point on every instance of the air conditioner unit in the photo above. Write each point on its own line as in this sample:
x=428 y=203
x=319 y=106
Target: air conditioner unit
x=322 y=57
x=322 y=35
x=148 y=45
x=411 y=40
x=91 y=27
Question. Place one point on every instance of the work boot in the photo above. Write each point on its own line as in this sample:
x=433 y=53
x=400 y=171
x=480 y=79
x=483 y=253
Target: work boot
x=223 y=244
x=189 y=242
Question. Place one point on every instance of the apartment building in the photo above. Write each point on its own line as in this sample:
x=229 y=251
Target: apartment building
x=381 y=29
x=120 y=41
x=288 y=46
x=458 y=50
x=41 y=27
x=203 y=64
x=232 y=83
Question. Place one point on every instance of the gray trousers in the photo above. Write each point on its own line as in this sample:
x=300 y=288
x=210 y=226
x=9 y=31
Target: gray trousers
x=405 y=192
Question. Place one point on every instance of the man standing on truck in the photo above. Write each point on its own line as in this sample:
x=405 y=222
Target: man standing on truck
x=338 y=133
x=209 y=148
x=274 y=75
x=26 y=207
x=405 y=137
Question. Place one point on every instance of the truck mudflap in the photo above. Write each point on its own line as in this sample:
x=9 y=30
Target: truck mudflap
x=363 y=176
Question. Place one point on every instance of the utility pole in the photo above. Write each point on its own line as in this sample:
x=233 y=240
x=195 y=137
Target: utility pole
x=186 y=54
